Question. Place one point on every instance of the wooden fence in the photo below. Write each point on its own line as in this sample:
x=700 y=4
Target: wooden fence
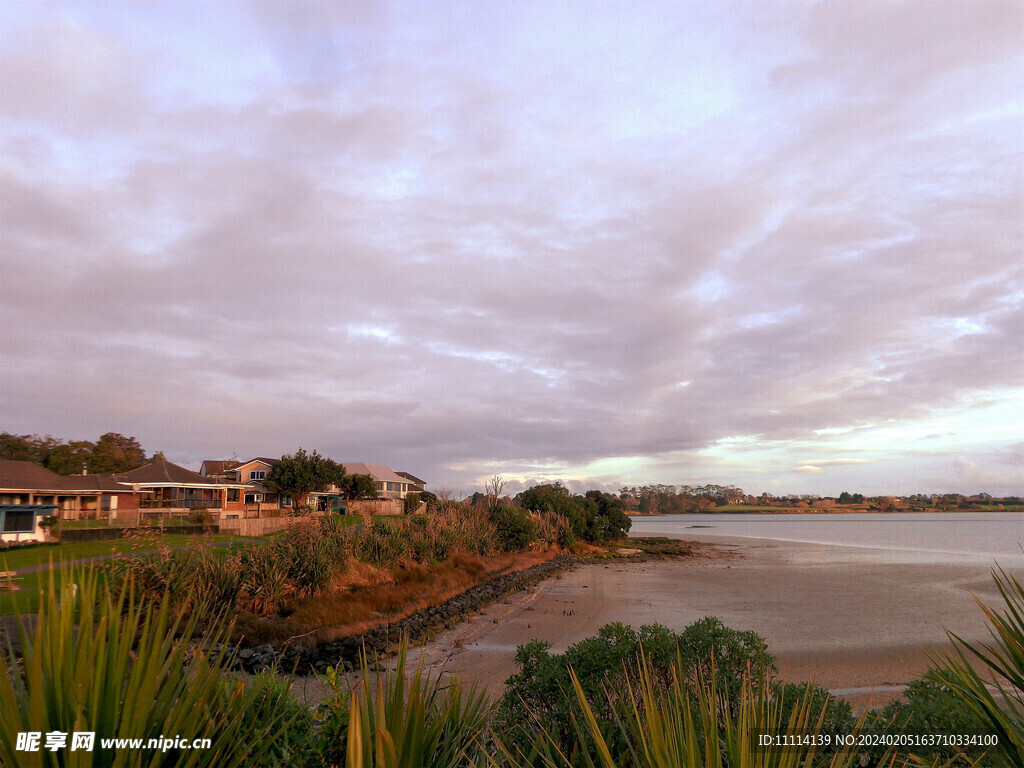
x=256 y=526
x=376 y=507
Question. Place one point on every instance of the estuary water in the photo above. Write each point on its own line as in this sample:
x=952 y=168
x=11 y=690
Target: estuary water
x=948 y=537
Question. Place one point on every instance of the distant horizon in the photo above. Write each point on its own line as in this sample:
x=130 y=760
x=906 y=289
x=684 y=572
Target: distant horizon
x=773 y=244
x=576 y=486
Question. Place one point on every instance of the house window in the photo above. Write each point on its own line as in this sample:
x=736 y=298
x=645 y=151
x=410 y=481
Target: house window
x=19 y=521
x=257 y=474
x=253 y=498
x=286 y=501
x=394 y=486
x=232 y=494
x=380 y=486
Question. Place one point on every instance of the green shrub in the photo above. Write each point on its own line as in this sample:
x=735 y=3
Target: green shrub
x=684 y=725
x=927 y=707
x=538 y=697
x=411 y=503
x=514 y=527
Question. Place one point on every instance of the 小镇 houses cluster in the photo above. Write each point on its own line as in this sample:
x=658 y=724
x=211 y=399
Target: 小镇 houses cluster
x=226 y=489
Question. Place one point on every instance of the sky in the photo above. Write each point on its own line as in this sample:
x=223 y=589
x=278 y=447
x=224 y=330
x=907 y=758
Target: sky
x=771 y=244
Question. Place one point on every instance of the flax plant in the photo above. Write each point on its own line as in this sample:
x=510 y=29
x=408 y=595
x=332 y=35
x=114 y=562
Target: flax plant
x=1004 y=660
x=399 y=719
x=104 y=661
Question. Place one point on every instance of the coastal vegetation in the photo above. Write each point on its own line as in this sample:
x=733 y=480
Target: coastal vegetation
x=97 y=658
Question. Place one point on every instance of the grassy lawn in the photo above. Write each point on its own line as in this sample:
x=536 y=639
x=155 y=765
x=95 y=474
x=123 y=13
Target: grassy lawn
x=13 y=559
x=79 y=524
x=26 y=598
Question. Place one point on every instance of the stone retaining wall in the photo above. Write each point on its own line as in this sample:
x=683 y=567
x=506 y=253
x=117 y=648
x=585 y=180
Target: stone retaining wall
x=345 y=652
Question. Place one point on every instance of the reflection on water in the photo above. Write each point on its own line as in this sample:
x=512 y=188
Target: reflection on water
x=955 y=537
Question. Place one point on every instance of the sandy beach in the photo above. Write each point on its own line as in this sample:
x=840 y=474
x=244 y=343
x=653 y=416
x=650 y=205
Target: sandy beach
x=828 y=613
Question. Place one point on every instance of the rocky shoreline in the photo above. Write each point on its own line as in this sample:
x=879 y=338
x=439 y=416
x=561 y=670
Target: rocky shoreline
x=346 y=651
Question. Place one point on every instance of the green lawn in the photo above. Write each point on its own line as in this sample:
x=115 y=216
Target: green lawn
x=125 y=523
x=26 y=598
x=13 y=559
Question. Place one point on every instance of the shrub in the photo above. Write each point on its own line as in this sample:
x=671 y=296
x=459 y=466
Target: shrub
x=514 y=527
x=199 y=516
x=538 y=697
x=683 y=726
x=411 y=503
x=927 y=707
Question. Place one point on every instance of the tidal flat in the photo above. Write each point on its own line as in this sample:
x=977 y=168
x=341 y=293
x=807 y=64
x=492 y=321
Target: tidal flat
x=860 y=627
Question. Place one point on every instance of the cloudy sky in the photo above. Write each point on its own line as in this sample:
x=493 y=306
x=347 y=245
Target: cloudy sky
x=775 y=244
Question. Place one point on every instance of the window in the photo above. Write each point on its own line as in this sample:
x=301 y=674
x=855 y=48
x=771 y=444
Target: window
x=232 y=494
x=253 y=498
x=286 y=501
x=394 y=486
x=257 y=474
x=20 y=521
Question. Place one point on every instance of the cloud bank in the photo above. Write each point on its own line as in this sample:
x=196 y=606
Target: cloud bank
x=605 y=244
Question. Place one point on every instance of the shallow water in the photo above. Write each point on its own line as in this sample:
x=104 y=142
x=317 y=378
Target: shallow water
x=950 y=537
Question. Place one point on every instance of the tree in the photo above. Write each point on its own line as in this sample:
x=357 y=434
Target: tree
x=69 y=458
x=27 y=447
x=493 y=489
x=354 y=487
x=117 y=453
x=299 y=474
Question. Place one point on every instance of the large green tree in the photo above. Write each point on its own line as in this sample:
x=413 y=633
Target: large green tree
x=34 y=448
x=300 y=473
x=354 y=487
x=70 y=458
x=117 y=453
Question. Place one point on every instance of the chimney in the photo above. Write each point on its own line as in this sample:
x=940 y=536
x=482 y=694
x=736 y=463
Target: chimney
x=85 y=469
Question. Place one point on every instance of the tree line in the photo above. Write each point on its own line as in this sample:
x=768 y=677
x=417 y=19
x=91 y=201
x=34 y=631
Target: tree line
x=110 y=453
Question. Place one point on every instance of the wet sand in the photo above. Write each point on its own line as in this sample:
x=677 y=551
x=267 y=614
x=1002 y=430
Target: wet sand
x=832 y=614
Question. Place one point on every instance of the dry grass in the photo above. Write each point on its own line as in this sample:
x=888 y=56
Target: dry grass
x=363 y=597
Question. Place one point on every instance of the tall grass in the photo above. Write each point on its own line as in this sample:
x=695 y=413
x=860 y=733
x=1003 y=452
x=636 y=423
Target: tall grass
x=103 y=661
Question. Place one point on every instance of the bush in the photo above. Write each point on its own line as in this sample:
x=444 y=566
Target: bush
x=928 y=707
x=411 y=503
x=539 y=697
x=514 y=527
x=199 y=516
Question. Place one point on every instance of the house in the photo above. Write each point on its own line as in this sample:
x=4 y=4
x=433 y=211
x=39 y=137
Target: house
x=389 y=484
x=162 y=485
x=219 y=470
x=415 y=483
x=75 y=496
x=23 y=522
x=249 y=476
